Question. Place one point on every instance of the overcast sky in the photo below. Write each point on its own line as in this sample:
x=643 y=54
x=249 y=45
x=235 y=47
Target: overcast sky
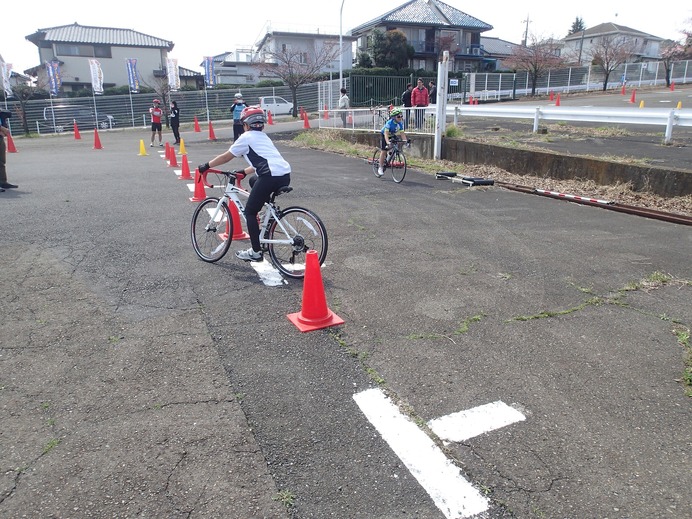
x=217 y=27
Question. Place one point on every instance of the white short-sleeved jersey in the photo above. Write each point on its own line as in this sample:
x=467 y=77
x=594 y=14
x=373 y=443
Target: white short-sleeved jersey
x=259 y=151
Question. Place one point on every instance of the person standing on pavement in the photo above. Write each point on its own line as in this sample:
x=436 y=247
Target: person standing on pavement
x=4 y=132
x=344 y=104
x=420 y=99
x=175 y=121
x=237 y=109
x=432 y=95
x=406 y=101
x=156 y=113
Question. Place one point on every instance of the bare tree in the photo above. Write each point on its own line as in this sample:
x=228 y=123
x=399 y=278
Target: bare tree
x=22 y=93
x=297 y=67
x=536 y=58
x=609 y=52
x=671 y=51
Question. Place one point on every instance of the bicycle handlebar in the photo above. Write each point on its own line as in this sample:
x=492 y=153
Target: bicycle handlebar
x=233 y=176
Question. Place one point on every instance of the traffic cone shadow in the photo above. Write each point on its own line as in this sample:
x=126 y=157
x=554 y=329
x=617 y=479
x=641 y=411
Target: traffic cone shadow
x=314 y=314
x=97 y=141
x=200 y=193
x=77 y=136
x=142 y=149
x=185 y=172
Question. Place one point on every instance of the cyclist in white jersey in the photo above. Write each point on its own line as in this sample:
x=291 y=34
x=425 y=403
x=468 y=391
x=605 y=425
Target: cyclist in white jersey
x=270 y=168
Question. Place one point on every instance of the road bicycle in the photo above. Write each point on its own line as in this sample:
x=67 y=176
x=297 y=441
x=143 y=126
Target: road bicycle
x=285 y=234
x=394 y=160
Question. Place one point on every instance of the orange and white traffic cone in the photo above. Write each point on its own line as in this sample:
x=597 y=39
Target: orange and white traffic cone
x=199 y=194
x=314 y=313
x=185 y=172
x=97 y=141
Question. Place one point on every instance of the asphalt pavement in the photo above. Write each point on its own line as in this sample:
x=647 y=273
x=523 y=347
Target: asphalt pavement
x=139 y=381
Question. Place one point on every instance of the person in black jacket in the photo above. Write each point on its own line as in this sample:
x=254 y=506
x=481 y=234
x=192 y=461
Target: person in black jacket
x=175 y=121
x=432 y=93
x=406 y=101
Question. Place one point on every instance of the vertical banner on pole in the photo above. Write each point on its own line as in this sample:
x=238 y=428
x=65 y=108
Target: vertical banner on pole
x=173 y=76
x=209 y=78
x=54 y=80
x=132 y=78
x=6 y=70
x=96 y=76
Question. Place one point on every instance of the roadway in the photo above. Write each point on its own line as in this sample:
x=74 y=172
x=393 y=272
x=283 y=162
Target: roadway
x=139 y=381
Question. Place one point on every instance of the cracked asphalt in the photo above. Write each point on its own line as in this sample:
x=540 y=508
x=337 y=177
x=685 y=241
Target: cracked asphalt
x=138 y=381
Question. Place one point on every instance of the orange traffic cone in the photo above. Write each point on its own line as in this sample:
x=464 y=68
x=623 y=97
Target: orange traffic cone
x=172 y=160
x=185 y=172
x=306 y=123
x=349 y=118
x=326 y=113
x=634 y=96
x=199 y=194
x=552 y=95
x=623 y=89
x=10 y=144
x=314 y=313
x=167 y=153
x=672 y=86
x=197 y=125
x=76 y=132
x=212 y=136
x=97 y=141
x=557 y=100
x=238 y=233
x=269 y=117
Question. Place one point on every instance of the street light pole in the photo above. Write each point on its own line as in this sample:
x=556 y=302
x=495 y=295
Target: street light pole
x=341 y=46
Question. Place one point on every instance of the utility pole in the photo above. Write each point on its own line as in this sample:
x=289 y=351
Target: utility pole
x=526 y=31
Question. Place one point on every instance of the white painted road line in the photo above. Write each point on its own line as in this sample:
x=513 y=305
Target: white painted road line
x=269 y=275
x=451 y=493
x=461 y=426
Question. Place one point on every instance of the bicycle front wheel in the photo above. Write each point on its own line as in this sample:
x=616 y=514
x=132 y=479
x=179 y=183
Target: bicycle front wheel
x=302 y=230
x=211 y=230
x=376 y=162
x=398 y=166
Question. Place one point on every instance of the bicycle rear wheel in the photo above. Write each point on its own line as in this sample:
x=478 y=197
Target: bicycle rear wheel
x=398 y=166
x=211 y=235
x=305 y=231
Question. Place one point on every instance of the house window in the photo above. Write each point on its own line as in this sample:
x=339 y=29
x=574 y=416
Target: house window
x=74 y=50
x=102 y=51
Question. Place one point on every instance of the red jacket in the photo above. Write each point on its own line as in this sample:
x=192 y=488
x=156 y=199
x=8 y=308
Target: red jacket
x=419 y=97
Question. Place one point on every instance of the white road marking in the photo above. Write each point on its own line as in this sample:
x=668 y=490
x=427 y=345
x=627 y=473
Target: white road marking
x=451 y=493
x=461 y=426
x=269 y=275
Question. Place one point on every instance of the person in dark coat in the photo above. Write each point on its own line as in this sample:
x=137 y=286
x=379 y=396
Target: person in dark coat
x=175 y=121
x=406 y=102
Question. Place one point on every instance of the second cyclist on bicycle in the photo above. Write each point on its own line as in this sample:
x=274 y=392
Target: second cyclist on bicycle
x=394 y=124
x=271 y=169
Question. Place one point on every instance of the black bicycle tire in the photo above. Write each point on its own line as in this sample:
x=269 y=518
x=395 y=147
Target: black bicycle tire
x=202 y=242
x=376 y=162
x=398 y=172
x=280 y=261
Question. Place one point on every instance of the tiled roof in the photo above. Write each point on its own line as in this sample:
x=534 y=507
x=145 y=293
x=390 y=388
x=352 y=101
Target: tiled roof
x=426 y=12
x=609 y=28
x=496 y=46
x=76 y=33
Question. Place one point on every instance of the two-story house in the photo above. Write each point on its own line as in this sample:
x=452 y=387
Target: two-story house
x=581 y=45
x=235 y=68
x=308 y=45
x=73 y=45
x=431 y=27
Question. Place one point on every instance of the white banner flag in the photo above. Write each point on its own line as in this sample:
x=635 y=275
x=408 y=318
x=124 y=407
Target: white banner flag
x=173 y=77
x=6 y=69
x=96 y=76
